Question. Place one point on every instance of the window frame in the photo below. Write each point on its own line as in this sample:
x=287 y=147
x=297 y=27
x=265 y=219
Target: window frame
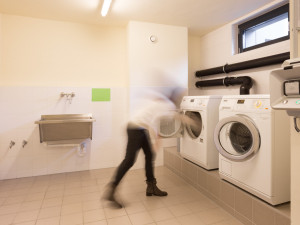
x=258 y=20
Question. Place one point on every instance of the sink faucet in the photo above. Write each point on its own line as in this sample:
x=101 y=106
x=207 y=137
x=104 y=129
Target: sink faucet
x=69 y=96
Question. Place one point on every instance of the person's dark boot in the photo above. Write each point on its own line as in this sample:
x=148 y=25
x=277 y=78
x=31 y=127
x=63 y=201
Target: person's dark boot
x=110 y=196
x=152 y=189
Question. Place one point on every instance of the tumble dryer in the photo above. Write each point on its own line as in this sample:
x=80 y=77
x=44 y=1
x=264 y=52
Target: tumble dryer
x=196 y=142
x=254 y=145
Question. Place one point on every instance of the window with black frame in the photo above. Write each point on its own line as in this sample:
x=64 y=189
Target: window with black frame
x=267 y=29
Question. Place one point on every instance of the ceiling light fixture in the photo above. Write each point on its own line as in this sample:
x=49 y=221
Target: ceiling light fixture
x=105 y=7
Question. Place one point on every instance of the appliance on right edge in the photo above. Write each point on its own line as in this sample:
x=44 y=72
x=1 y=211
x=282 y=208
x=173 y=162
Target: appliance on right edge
x=253 y=141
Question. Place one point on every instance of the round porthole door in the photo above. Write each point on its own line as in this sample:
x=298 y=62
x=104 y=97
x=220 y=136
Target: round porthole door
x=169 y=126
x=194 y=130
x=237 y=138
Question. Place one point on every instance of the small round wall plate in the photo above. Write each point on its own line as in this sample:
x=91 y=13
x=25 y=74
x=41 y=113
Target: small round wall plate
x=153 y=38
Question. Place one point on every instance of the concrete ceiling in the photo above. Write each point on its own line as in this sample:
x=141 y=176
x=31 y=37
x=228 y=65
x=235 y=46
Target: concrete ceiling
x=200 y=16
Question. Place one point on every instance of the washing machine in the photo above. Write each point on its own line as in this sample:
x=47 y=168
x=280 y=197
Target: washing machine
x=254 y=146
x=196 y=142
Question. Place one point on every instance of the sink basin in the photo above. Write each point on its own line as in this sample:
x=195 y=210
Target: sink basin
x=65 y=127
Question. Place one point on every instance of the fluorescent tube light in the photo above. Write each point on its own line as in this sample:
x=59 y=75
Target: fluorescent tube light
x=105 y=7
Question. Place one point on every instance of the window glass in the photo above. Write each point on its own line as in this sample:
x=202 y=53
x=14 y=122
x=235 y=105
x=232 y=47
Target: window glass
x=266 y=29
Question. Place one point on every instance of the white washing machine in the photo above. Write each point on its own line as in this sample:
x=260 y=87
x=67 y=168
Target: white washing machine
x=196 y=142
x=254 y=145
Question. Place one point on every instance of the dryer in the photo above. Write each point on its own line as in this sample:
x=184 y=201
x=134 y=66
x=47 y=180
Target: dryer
x=254 y=146
x=196 y=142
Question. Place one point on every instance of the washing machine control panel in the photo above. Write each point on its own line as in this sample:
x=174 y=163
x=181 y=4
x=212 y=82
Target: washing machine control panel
x=258 y=104
x=193 y=103
x=246 y=104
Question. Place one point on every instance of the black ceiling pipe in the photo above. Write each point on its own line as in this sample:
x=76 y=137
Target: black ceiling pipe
x=265 y=61
x=245 y=81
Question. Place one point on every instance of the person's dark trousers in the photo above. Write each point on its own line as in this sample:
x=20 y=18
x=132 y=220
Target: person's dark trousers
x=137 y=139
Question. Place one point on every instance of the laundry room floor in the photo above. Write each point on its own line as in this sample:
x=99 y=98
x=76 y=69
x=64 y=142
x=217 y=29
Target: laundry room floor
x=75 y=199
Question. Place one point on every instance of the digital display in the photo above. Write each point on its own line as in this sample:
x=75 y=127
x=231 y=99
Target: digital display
x=241 y=101
x=192 y=100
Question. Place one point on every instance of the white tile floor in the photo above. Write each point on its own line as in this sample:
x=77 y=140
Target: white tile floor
x=75 y=199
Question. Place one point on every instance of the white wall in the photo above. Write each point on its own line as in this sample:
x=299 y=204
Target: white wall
x=195 y=54
x=295 y=137
x=217 y=48
x=298 y=41
x=39 y=52
x=0 y=45
x=295 y=180
x=41 y=59
x=156 y=65
x=295 y=156
x=150 y=61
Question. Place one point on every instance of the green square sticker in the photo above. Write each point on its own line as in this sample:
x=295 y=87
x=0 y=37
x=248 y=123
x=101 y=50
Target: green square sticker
x=100 y=94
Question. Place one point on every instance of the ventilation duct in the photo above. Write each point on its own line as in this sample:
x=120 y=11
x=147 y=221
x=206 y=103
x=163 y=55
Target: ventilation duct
x=265 y=61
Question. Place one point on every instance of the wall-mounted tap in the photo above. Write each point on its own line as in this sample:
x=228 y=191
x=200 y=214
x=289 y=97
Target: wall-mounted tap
x=68 y=95
x=24 y=143
x=71 y=95
x=11 y=144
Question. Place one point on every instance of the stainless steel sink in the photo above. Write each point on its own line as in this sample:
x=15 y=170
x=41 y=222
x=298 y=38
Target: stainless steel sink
x=65 y=127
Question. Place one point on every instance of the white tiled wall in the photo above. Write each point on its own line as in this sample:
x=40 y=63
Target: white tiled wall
x=22 y=106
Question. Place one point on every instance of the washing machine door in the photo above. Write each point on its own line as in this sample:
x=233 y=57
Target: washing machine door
x=194 y=128
x=237 y=138
x=169 y=125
